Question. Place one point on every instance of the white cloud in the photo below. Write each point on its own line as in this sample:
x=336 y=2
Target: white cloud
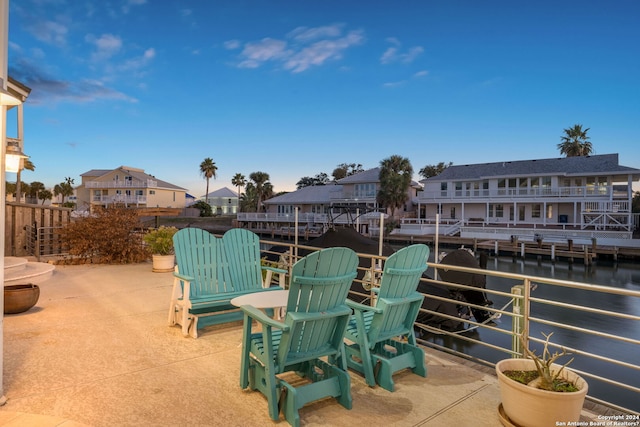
x=139 y=62
x=422 y=73
x=394 y=84
x=50 y=32
x=232 y=44
x=321 y=51
x=395 y=53
x=305 y=34
x=107 y=45
x=304 y=48
x=267 y=49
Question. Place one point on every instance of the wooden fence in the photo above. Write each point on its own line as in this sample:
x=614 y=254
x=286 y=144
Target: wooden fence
x=20 y=217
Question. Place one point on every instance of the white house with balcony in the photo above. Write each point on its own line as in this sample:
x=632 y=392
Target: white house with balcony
x=578 y=198
x=128 y=186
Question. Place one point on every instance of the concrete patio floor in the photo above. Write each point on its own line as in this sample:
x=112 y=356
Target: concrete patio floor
x=96 y=350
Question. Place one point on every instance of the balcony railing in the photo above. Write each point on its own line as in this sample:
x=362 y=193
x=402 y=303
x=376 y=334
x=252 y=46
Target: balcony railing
x=149 y=183
x=514 y=193
x=120 y=198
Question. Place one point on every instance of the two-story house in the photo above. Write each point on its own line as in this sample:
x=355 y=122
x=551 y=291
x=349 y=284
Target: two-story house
x=222 y=201
x=350 y=200
x=569 y=196
x=129 y=186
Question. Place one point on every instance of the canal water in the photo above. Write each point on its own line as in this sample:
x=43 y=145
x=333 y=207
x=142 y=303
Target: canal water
x=620 y=275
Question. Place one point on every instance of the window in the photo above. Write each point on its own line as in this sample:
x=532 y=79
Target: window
x=139 y=193
x=523 y=184
x=496 y=211
x=152 y=192
x=285 y=209
x=458 y=189
x=521 y=213
x=453 y=212
x=365 y=190
x=549 y=211
x=443 y=188
x=535 y=211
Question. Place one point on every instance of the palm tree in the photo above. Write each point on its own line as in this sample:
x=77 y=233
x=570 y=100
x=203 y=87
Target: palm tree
x=239 y=181
x=248 y=201
x=208 y=170
x=395 y=176
x=575 y=142
x=262 y=186
x=34 y=189
x=65 y=189
x=433 y=170
x=28 y=165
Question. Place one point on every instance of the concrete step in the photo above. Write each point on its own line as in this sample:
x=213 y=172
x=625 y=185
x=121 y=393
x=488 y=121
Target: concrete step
x=21 y=271
x=14 y=263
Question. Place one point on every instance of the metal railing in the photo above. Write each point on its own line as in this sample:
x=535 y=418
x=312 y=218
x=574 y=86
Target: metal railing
x=44 y=241
x=526 y=306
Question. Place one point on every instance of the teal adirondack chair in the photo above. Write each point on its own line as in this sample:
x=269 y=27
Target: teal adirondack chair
x=210 y=272
x=313 y=328
x=375 y=347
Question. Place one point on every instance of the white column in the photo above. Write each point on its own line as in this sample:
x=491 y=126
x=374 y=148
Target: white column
x=6 y=100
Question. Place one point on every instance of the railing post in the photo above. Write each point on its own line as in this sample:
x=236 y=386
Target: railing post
x=517 y=321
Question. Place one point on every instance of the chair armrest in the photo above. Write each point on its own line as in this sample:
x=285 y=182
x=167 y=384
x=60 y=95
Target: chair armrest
x=183 y=276
x=274 y=269
x=405 y=272
x=266 y=283
x=262 y=318
x=362 y=307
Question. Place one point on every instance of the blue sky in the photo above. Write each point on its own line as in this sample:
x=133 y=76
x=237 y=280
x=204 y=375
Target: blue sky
x=294 y=88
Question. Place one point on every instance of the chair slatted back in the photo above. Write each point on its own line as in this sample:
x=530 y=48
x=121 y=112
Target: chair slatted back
x=244 y=267
x=397 y=295
x=199 y=254
x=317 y=314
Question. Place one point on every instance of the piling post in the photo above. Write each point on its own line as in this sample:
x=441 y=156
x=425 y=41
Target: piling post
x=495 y=248
x=522 y=251
x=586 y=255
x=553 y=252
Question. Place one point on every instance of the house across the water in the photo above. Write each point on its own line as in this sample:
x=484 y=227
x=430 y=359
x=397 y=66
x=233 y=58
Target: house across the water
x=351 y=200
x=128 y=186
x=577 y=198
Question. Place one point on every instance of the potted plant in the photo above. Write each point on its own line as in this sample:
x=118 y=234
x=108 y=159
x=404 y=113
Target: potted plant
x=160 y=244
x=537 y=392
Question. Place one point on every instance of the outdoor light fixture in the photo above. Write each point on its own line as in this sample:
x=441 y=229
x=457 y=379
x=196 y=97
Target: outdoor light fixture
x=14 y=155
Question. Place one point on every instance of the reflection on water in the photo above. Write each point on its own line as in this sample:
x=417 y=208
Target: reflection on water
x=625 y=276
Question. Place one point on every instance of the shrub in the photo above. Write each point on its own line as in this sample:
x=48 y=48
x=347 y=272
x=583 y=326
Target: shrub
x=205 y=208
x=109 y=236
x=160 y=240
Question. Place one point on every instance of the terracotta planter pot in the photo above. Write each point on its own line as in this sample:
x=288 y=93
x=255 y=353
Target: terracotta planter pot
x=20 y=298
x=163 y=263
x=532 y=407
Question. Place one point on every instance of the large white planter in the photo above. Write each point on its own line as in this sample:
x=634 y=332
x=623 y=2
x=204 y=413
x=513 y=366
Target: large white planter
x=532 y=407
x=163 y=263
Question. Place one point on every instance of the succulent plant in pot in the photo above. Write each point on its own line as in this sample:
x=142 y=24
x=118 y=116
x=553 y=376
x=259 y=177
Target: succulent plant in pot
x=160 y=244
x=536 y=392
